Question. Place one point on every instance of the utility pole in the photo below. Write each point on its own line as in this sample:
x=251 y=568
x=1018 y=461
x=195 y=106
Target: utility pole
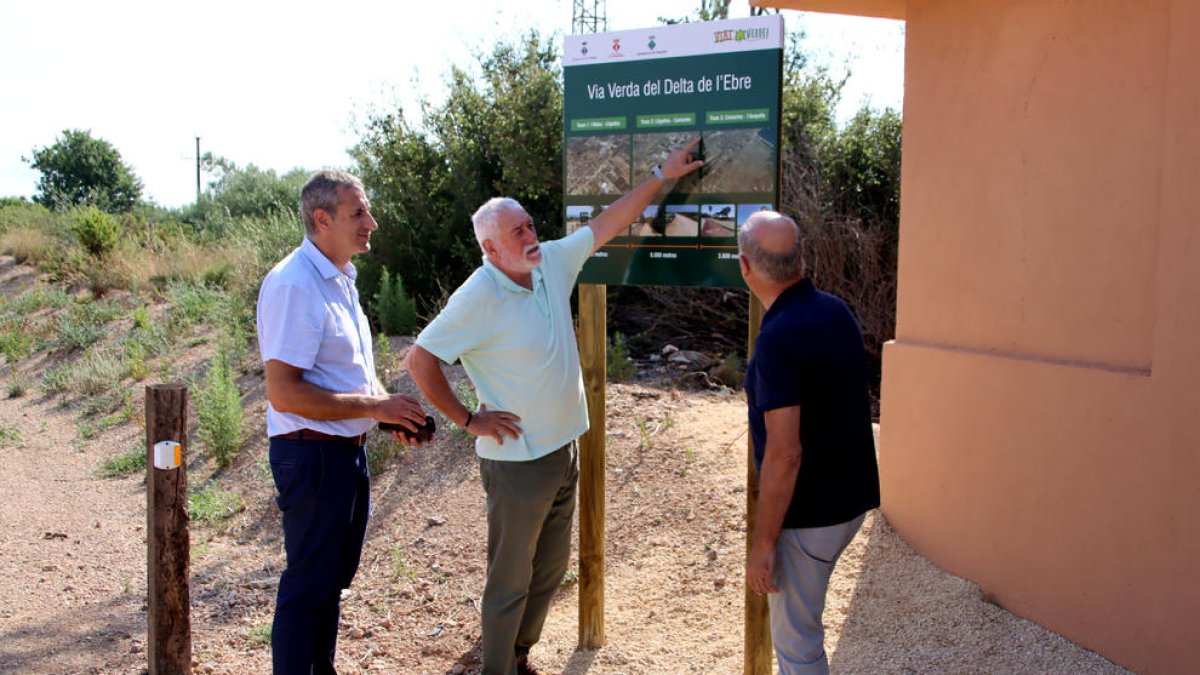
x=589 y=16
x=197 y=169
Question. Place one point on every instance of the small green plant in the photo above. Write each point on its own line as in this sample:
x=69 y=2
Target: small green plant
x=260 y=634
x=386 y=361
x=400 y=566
x=380 y=451
x=88 y=430
x=645 y=433
x=36 y=300
x=101 y=404
x=570 y=577
x=466 y=394
x=219 y=411
x=74 y=330
x=193 y=304
x=395 y=311
x=689 y=456
x=619 y=367
x=9 y=436
x=56 y=380
x=96 y=230
x=15 y=344
x=98 y=372
x=210 y=504
x=667 y=421
x=17 y=385
x=133 y=461
x=141 y=318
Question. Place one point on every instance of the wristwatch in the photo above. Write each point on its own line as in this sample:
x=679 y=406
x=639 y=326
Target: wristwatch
x=658 y=173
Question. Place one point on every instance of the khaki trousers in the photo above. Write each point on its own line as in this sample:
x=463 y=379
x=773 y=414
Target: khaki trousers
x=529 y=510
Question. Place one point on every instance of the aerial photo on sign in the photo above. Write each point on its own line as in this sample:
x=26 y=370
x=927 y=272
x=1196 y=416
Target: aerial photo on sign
x=631 y=97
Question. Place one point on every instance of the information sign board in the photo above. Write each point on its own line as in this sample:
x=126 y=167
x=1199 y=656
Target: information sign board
x=630 y=98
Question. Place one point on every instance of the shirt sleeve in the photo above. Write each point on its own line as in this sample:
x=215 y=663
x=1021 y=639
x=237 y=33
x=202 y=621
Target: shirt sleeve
x=780 y=381
x=456 y=329
x=290 y=326
x=571 y=252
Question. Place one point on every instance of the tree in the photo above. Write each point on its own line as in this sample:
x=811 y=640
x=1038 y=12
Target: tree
x=238 y=192
x=79 y=169
x=496 y=133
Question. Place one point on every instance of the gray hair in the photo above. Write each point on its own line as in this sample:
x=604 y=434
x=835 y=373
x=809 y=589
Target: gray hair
x=485 y=217
x=321 y=192
x=777 y=266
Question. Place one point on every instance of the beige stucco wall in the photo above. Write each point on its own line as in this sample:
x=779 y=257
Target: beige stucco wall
x=1041 y=397
x=1041 y=400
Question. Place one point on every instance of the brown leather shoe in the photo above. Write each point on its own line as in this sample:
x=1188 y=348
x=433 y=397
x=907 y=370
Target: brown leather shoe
x=525 y=667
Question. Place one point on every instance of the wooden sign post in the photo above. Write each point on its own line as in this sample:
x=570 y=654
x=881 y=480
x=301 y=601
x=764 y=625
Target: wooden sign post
x=593 y=356
x=168 y=621
x=757 y=638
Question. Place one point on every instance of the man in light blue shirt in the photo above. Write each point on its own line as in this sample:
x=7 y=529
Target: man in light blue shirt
x=510 y=325
x=323 y=396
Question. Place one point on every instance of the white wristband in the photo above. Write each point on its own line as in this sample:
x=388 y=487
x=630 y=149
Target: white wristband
x=657 y=171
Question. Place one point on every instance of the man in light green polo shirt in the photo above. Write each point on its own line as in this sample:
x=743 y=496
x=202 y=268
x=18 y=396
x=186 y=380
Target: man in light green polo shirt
x=510 y=325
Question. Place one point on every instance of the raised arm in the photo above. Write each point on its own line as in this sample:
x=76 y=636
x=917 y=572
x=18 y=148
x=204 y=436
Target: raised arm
x=618 y=216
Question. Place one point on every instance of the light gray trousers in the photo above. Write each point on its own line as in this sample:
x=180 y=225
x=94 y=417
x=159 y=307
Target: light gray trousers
x=804 y=561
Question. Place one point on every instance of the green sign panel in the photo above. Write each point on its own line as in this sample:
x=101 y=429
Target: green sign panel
x=632 y=97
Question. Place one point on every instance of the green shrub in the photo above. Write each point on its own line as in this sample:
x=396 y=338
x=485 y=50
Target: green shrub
x=96 y=230
x=56 y=380
x=15 y=344
x=210 y=504
x=129 y=463
x=260 y=634
x=395 y=311
x=380 y=451
x=36 y=300
x=619 y=366
x=219 y=411
x=191 y=304
x=17 y=386
x=83 y=326
x=141 y=318
x=9 y=436
x=465 y=393
x=98 y=372
x=386 y=361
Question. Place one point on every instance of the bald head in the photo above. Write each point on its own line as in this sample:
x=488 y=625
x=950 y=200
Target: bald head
x=771 y=243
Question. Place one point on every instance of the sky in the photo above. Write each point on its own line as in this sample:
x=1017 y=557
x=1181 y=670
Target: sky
x=281 y=84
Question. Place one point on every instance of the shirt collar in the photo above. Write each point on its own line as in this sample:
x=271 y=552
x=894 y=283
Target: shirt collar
x=324 y=266
x=790 y=295
x=507 y=283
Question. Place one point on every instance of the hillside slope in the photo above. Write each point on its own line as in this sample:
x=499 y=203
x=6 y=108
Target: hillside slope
x=73 y=557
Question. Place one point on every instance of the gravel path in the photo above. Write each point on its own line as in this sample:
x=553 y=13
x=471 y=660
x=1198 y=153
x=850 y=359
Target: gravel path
x=73 y=566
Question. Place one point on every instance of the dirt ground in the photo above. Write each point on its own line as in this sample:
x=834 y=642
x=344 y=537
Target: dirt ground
x=73 y=559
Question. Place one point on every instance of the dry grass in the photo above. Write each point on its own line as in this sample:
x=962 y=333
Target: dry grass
x=26 y=244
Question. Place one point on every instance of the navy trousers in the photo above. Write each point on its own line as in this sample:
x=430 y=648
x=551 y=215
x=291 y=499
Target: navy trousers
x=325 y=496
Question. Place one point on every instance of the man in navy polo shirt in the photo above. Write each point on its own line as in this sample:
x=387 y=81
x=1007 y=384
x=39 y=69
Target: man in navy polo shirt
x=810 y=419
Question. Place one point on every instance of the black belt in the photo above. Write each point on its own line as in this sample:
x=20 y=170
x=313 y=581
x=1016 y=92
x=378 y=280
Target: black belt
x=310 y=435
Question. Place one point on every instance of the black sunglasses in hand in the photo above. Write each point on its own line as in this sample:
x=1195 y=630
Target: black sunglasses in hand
x=423 y=435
